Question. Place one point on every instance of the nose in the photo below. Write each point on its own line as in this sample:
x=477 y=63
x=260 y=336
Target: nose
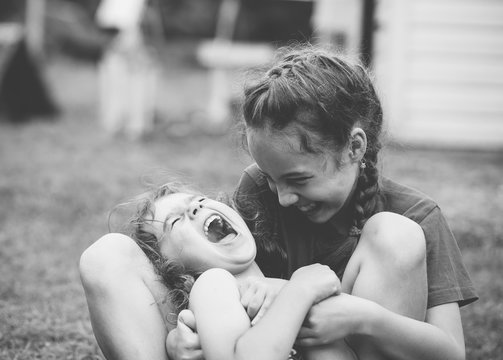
x=193 y=208
x=285 y=197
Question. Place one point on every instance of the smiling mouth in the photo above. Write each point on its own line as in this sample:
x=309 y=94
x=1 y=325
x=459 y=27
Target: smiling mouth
x=217 y=228
x=308 y=208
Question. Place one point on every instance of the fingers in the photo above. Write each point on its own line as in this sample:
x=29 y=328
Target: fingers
x=186 y=328
x=263 y=309
x=308 y=342
x=186 y=317
x=256 y=302
x=338 y=289
x=196 y=355
x=252 y=298
x=247 y=290
x=183 y=342
x=305 y=333
x=307 y=337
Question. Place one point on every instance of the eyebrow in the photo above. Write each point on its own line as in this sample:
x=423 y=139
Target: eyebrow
x=176 y=212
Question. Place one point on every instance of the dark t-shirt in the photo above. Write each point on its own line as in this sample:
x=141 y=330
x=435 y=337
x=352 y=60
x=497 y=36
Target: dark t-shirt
x=287 y=240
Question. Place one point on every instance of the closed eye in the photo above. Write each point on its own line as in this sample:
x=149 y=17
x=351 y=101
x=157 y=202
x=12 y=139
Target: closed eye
x=174 y=221
x=298 y=181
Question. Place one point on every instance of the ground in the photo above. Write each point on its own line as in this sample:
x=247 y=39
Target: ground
x=60 y=178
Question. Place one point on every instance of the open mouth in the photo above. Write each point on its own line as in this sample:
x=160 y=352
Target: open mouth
x=309 y=209
x=217 y=228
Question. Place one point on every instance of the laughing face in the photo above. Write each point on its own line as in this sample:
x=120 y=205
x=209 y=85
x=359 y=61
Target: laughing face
x=318 y=185
x=202 y=233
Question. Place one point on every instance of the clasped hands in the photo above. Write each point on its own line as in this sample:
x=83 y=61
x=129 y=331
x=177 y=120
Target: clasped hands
x=333 y=318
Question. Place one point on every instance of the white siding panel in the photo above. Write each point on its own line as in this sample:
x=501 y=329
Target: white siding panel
x=458 y=40
x=465 y=13
x=437 y=128
x=476 y=100
x=465 y=71
x=439 y=64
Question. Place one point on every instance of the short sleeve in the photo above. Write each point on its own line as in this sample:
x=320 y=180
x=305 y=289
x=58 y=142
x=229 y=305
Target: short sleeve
x=448 y=279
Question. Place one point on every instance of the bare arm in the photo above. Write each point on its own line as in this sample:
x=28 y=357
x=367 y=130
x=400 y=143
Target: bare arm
x=440 y=337
x=395 y=336
x=223 y=324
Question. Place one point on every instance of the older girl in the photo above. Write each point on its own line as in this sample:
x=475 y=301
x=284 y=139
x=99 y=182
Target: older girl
x=313 y=126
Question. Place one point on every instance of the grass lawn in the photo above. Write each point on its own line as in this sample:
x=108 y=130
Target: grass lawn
x=59 y=179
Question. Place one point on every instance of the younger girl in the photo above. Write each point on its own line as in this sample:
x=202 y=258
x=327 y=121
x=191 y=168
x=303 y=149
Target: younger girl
x=182 y=234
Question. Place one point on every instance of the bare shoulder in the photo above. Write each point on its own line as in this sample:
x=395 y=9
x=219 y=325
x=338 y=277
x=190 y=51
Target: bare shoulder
x=214 y=280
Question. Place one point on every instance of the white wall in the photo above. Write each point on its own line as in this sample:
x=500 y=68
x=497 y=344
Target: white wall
x=439 y=68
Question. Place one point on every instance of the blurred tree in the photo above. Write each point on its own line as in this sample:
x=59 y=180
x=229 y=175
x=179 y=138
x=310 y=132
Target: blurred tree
x=258 y=20
x=189 y=18
x=89 y=6
x=35 y=27
x=274 y=20
x=71 y=29
x=11 y=10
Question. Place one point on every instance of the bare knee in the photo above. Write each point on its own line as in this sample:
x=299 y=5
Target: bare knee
x=395 y=239
x=111 y=256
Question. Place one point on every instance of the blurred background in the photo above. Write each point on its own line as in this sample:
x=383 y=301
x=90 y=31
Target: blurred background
x=96 y=96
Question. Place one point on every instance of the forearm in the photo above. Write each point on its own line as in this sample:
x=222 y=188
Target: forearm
x=400 y=337
x=274 y=335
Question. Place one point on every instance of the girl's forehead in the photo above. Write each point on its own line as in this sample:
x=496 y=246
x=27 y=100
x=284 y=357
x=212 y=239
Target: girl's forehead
x=171 y=203
x=286 y=139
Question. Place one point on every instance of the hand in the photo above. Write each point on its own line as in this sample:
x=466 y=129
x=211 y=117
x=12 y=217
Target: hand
x=183 y=341
x=257 y=295
x=333 y=319
x=319 y=280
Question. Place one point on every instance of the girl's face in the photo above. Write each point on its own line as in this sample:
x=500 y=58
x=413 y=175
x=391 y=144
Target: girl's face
x=313 y=183
x=203 y=233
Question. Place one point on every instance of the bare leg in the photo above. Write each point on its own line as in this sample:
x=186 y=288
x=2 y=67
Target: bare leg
x=388 y=267
x=123 y=295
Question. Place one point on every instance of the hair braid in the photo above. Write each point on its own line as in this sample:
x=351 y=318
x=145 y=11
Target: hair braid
x=367 y=190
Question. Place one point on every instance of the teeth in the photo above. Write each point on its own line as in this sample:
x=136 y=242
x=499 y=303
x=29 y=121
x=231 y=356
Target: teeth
x=209 y=221
x=306 y=207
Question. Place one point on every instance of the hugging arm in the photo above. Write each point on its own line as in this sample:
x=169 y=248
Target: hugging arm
x=385 y=316
x=224 y=326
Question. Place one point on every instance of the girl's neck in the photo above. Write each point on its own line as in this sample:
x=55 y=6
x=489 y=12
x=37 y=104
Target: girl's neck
x=342 y=221
x=252 y=270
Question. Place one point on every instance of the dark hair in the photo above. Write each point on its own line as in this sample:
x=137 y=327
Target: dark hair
x=323 y=96
x=174 y=275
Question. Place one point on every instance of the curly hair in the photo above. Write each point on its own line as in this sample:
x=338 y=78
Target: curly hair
x=174 y=275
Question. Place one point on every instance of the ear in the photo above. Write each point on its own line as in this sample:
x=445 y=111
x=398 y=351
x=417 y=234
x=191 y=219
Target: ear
x=357 y=144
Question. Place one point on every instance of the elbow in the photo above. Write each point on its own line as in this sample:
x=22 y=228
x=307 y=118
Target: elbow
x=458 y=350
x=460 y=353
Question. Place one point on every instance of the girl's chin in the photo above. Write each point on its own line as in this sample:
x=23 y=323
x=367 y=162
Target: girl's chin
x=321 y=215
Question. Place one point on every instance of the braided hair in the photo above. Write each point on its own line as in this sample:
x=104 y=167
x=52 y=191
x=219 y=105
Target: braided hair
x=324 y=96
